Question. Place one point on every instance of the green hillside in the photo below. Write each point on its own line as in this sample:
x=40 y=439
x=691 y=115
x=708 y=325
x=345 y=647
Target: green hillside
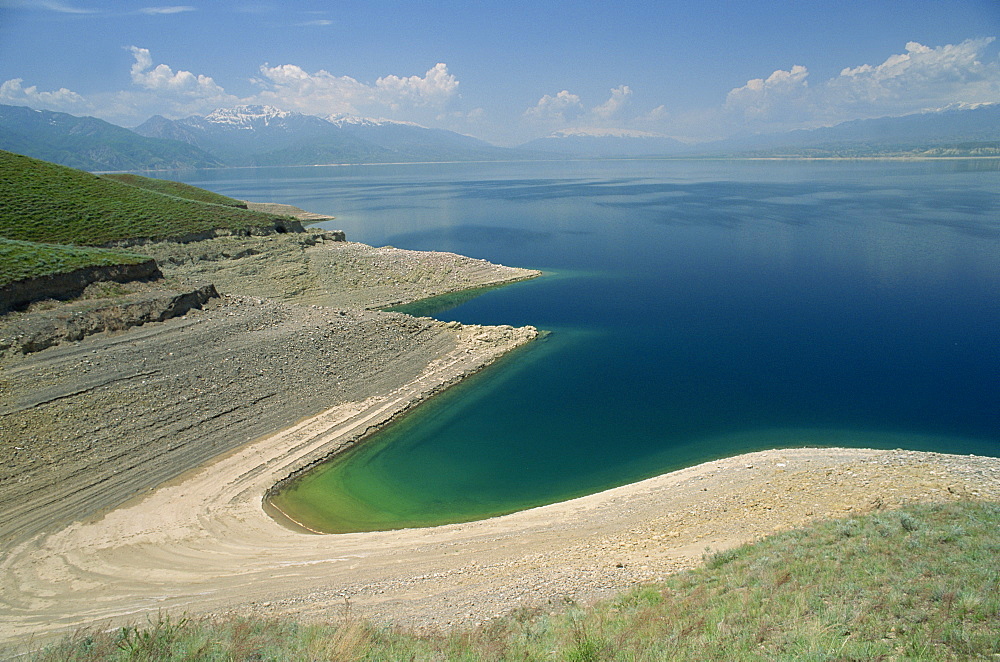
x=176 y=189
x=48 y=203
x=20 y=260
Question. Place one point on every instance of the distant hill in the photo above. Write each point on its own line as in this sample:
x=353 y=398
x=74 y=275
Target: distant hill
x=410 y=142
x=955 y=132
x=605 y=143
x=92 y=144
x=45 y=202
x=241 y=136
x=267 y=136
x=264 y=135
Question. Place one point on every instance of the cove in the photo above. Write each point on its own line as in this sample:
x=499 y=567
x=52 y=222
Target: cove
x=695 y=309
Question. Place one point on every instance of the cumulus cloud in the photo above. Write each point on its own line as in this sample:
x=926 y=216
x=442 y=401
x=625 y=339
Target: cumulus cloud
x=164 y=79
x=290 y=86
x=779 y=96
x=559 y=108
x=161 y=90
x=436 y=86
x=920 y=78
x=619 y=99
x=13 y=92
x=658 y=114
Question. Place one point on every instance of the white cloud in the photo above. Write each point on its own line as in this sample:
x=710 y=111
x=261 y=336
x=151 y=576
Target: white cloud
x=162 y=78
x=177 y=9
x=658 y=114
x=559 y=108
x=13 y=92
x=921 y=78
x=290 y=86
x=619 y=98
x=773 y=98
x=320 y=22
x=436 y=86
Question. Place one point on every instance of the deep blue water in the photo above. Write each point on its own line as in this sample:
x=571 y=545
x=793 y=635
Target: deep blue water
x=697 y=309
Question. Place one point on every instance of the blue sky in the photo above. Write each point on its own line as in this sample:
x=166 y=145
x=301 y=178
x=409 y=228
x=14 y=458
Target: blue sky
x=507 y=71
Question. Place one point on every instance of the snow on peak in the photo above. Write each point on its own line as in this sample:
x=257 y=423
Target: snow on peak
x=246 y=116
x=342 y=120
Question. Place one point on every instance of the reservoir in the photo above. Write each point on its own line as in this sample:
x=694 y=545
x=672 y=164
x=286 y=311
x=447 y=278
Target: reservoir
x=695 y=309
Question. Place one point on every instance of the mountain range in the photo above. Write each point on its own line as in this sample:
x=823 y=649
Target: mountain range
x=263 y=135
x=972 y=131
x=92 y=144
x=267 y=136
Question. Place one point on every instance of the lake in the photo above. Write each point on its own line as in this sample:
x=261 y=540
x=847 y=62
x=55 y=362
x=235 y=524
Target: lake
x=696 y=309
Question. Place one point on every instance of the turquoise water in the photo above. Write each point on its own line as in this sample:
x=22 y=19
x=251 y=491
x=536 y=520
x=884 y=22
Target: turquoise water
x=697 y=309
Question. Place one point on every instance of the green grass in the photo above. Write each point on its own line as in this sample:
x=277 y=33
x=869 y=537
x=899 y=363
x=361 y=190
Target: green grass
x=917 y=584
x=48 y=203
x=176 y=189
x=24 y=259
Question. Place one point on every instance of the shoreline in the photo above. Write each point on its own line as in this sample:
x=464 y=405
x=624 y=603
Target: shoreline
x=201 y=542
x=204 y=544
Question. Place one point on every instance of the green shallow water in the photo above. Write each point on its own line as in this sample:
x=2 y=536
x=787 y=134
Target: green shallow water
x=696 y=310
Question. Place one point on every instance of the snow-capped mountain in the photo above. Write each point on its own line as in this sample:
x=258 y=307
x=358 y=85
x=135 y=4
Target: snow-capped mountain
x=246 y=118
x=264 y=135
x=342 y=121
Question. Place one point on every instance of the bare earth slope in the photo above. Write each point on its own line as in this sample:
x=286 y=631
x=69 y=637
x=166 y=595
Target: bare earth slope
x=86 y=425
x=315 y=268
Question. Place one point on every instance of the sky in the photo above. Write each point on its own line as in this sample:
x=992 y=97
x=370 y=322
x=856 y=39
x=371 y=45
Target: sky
x=507 y=71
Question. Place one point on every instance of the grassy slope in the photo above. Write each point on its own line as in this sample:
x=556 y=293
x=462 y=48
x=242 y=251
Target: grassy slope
x=43 y=202
x=176 y=189
x=920 y=584
x=20 y=260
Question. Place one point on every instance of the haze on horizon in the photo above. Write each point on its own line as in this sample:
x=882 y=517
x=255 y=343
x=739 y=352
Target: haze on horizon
x=507 y=72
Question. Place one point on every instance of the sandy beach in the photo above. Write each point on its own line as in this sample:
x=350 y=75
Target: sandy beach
x=203 y=544
x=197 y=417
